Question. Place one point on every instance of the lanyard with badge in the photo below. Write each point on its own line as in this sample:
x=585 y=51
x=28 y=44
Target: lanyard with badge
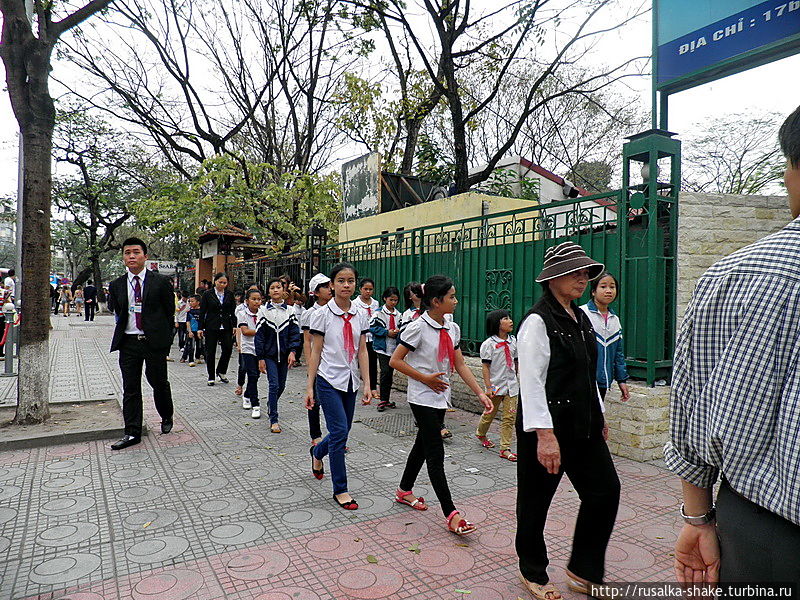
x=136 y=309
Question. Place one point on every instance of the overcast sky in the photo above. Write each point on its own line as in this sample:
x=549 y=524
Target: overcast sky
x=773 y=87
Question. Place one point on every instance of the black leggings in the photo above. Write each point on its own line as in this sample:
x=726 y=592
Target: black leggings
x=591 y=471
x=373 y=367
x=428 y=448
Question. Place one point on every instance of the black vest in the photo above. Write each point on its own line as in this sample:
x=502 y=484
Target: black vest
x=571 y=386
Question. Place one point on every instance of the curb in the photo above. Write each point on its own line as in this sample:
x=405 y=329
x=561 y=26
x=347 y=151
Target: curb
x=69 y=437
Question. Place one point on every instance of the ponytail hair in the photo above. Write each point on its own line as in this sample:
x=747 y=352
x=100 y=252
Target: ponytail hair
x=416 y=288
x=435 y=287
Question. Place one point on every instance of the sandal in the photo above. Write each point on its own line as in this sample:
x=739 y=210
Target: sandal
x=392 y=405
x=508 y=455
x=583 y=586
x=416 y=504
x=318 y=473
x=275 y=428
x=541 y=592
x=349 y=505
x=382 y=405
x=446 y=433
x=366 y=402
x=485 y=441
x=462 y=528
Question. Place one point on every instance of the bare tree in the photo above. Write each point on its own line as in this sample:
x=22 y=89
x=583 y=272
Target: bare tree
x=250 y=79
x=26 y=47
x=549 y=34
x=734 y=154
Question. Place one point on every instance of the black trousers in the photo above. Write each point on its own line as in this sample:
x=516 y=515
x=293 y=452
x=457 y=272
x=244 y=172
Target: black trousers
x=373 y=367
x=181 y=334
x=591 y=471
x=314 y=427
x=133 y=355
x=387 y=376
x=90 y=308
x=192 y=349
x=755 y=544
x=429 y=449
x=225 y=339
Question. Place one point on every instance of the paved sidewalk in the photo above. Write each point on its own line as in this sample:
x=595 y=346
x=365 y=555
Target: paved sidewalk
x=222 y=508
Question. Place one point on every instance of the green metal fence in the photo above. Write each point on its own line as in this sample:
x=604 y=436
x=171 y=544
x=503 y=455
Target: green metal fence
x=494 y=260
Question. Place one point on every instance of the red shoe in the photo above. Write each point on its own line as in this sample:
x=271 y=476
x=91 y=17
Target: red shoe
x=318 y=473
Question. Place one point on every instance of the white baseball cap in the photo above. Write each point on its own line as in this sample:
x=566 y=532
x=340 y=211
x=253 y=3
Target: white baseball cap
x=316 y=281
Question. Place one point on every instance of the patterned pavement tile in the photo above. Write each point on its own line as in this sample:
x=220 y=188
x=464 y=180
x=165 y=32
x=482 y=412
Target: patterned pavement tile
x=222 y=508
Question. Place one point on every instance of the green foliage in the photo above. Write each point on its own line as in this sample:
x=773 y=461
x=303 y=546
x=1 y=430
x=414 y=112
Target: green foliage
x=364 y=116
x=593 y=175
x=430 y=164
x=502 y=182
x=277 y=208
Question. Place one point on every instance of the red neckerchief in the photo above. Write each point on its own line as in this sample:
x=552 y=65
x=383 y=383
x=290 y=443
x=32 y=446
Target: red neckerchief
x=347 y=334
x=446 y=349
x=416 y=314
x=392 y=323
x=507 y=347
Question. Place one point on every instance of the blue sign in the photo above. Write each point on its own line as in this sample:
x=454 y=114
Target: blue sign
x=703 y=40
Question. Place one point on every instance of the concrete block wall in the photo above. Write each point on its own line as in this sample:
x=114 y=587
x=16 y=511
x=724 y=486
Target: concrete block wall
x=711 y=226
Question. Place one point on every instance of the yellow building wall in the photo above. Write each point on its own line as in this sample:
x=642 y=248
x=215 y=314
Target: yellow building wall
x=462 y=206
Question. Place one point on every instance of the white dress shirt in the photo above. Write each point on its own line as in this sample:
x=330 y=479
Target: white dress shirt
x=503 y=378
x=533 y=347
x=131 y=327
x=368 y=311
x=421 y=337
x=334 y=367
x=247 y=343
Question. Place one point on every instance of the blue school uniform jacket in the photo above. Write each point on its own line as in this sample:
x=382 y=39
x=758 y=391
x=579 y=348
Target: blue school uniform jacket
x=610 y=355
x=277 y=333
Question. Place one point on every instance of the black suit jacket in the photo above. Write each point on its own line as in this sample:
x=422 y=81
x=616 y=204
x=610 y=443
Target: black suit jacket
x=212 y=313
x=90 y=293
x=158 y=310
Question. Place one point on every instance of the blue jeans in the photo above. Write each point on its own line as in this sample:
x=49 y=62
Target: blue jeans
x=338 y=407
x=249 y=363
x=276 y=371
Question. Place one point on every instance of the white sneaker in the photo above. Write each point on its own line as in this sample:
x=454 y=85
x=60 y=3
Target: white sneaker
x=192 y=364
x=170 y=359
x=246 y=403
x=256 y=414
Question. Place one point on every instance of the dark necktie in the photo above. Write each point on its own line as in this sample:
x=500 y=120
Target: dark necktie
x=137 y=299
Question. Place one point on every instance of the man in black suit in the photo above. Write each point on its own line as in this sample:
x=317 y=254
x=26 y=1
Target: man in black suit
x=90 y=299
x=144 y=305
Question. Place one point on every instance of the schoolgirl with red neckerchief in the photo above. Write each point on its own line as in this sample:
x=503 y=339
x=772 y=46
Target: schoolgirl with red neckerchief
x=368 y=306
x=428 y=353
x=412 y=294
x=385 y=327
x=338 y=356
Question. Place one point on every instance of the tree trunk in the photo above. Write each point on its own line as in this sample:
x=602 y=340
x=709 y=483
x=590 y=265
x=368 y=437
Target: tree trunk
x=33 y=384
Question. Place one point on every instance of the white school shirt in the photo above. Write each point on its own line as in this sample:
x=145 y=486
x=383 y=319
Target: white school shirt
x=333 y=365
x=368 y=311
x=183 y=310
x=305 y=318
x=131 y=328
x=383 y=316
x=421 y=337
x=533 y=346
x=247 y=343
x=408 y=316
x=299 y=311
x=501 y=377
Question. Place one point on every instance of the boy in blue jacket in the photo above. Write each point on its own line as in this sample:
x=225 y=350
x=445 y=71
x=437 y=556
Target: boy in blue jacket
x=277 y=342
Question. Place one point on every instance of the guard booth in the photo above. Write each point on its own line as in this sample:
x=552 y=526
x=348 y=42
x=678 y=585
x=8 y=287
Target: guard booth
x=217 y=247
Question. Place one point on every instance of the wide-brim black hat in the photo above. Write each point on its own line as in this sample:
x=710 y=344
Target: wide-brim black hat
x=567 y=258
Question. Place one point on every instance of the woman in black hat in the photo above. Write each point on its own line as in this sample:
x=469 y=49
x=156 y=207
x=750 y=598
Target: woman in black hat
x=560 y=427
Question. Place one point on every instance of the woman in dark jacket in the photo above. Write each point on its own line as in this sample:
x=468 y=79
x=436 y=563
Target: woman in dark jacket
x=218 y=323
x=561 y=428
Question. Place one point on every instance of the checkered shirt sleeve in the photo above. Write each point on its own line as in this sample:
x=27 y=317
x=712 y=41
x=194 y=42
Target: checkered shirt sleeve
x=735 y=403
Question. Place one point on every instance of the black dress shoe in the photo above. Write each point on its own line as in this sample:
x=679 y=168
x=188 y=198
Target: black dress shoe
x=166 y=426
x=128 y=440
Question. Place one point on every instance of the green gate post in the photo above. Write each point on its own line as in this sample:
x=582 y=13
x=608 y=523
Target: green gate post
x=648 y=227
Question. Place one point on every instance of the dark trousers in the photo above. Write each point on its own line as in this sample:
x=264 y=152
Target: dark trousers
x=225 y=339
x=90 y=309
x=2 y=334
x=373 y=367
x=276 y=371
x=314 y=427
x=241 y=374
x=338 y=407
x=428 y=449
x=589 y=467
x=132 y=356
x=181 y=334
x=755 y=544
x=192 y=349
x=248 y=364
x=387 y=376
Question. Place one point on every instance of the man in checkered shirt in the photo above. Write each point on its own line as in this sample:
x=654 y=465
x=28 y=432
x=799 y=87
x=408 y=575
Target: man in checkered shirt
x=735 y=407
